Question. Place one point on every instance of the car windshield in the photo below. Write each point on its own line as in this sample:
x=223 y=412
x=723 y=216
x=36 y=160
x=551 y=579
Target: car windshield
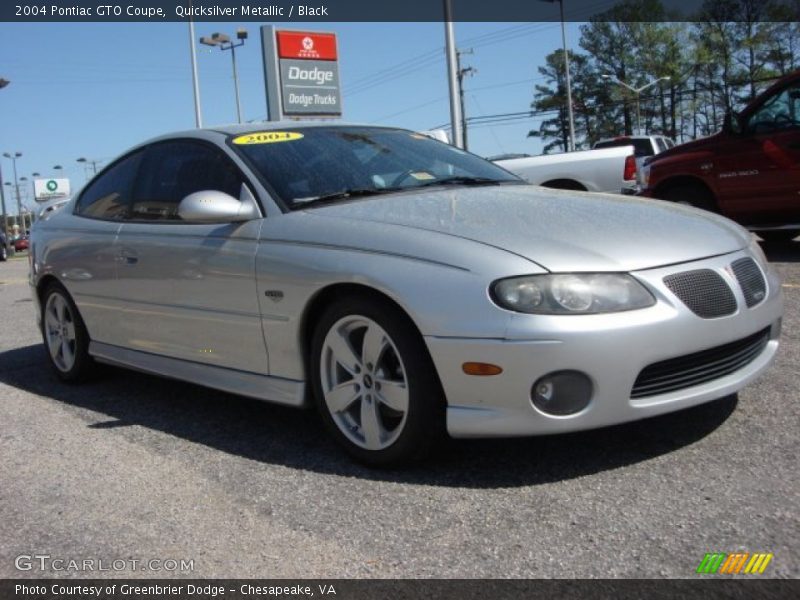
x=330 y=164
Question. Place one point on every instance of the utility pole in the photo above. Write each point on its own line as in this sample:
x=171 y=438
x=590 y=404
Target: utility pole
x=463 y=72
x=452 y=76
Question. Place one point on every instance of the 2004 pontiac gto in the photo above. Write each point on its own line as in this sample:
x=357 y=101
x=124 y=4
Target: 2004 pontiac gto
x=404 y=286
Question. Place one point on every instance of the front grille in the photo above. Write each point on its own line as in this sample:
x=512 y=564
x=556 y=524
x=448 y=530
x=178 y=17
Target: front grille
x=750 y=280
x=700 y=367
x=704 y=292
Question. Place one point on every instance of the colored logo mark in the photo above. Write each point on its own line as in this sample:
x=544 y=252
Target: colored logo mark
x=735 y=564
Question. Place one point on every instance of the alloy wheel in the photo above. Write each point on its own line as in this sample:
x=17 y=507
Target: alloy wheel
x=364 y=382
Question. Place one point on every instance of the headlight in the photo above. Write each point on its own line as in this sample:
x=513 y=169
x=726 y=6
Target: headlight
x=571 y=293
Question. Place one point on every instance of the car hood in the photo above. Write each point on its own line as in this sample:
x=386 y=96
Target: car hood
x=559 y=230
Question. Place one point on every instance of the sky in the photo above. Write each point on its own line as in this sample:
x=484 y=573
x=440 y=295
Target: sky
x=95 y=89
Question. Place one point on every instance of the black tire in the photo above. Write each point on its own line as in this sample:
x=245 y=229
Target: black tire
x=778 y=236
x=3 y=253
x=83 y=366
x=423 y=424
x=693 y=195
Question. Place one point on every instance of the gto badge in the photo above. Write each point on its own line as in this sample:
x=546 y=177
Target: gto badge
x=274 y=295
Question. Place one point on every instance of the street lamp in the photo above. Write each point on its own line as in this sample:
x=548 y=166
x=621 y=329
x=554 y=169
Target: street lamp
x=13 y=157
x=224 y=43
x=86 y=162
x=570 y=116
x=636 y=91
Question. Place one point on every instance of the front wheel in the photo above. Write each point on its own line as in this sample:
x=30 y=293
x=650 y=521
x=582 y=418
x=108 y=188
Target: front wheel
x=375 y=384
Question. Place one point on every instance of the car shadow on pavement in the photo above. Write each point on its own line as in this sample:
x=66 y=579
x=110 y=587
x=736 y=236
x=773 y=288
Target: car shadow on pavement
x=296 y=438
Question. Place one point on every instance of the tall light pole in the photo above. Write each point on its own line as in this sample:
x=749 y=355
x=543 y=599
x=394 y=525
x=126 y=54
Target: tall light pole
x=224 y=42
x=636 y=91
x=452 y=76
x=198 y=117
x=13 y=156
x=570 y=116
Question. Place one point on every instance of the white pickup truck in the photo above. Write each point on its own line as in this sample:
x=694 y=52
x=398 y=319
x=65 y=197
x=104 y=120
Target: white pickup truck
x=608 y=170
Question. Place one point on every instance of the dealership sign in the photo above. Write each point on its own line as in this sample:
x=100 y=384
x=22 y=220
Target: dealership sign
x=48 y=189
x=301 y=72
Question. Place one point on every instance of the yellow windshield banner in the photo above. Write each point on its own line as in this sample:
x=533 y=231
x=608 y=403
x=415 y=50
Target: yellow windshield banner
x=267 y=137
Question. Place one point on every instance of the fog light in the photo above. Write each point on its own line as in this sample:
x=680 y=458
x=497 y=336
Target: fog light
x=562 y=393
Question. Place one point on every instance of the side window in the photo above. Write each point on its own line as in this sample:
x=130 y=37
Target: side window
x=173 y=170
x=108 y=196
x=781 y=111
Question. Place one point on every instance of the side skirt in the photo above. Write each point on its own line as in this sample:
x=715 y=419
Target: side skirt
x=252 y=385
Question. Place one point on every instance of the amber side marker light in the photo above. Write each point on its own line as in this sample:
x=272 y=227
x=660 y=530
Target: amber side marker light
x=481 y=369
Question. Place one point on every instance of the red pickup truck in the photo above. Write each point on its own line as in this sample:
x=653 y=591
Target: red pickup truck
x=749 y=171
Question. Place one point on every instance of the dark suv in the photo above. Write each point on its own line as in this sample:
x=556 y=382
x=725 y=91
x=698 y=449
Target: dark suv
x=749 y=171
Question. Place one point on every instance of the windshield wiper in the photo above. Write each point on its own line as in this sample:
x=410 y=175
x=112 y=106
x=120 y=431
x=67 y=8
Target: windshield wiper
x=462 y=180
x=342 y=195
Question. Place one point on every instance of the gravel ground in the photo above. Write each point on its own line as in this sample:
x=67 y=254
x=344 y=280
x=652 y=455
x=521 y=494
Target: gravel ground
x=136 y=467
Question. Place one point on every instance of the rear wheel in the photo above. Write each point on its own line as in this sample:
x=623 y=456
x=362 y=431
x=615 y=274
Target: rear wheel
x=375 y=384
x=779 y=235
x=65 y=337
x=691 y=195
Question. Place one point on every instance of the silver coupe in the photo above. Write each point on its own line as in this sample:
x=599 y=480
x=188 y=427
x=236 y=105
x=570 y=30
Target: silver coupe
x=406 y=288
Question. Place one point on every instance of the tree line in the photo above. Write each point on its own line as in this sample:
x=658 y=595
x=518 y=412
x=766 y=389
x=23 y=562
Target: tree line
x=715 y=64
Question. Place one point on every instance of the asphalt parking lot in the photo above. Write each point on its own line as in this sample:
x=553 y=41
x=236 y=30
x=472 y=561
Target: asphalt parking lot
x=136 y=467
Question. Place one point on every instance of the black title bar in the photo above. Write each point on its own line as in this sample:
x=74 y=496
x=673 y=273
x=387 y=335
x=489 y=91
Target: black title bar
x=315 y=11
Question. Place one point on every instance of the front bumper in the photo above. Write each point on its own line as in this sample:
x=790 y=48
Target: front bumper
x=611 y=349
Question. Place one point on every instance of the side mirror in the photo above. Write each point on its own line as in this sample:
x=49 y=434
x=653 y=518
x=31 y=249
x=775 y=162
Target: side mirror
x=212 y=206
